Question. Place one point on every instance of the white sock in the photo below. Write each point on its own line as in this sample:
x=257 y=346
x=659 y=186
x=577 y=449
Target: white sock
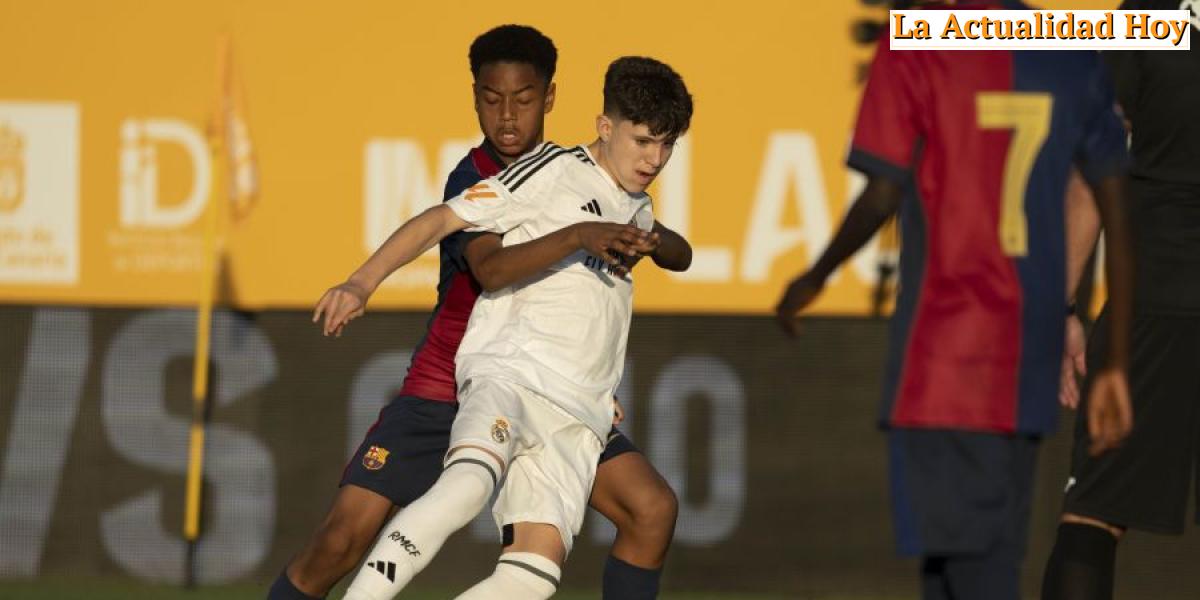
x=409 y=541
x=518 y=576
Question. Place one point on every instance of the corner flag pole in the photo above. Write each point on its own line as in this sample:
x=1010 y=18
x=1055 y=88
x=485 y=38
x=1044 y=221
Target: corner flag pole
x=204 y=306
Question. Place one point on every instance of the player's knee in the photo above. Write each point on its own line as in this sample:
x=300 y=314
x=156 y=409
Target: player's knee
x=329 y=555
x=472 y=474
x=654 y=510
x=339 y=544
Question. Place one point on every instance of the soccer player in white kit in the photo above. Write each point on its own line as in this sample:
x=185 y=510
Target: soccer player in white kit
x=540 y=361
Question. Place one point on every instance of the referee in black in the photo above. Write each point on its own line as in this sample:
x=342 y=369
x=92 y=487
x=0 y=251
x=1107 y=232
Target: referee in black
x=1145 y=483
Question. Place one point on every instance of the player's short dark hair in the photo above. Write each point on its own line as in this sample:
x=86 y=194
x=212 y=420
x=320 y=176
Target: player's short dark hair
x=647 y=92
x=514 y=43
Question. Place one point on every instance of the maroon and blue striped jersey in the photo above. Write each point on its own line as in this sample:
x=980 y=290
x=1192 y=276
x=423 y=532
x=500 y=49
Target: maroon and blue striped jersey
x=983 y=143
x=431 y=372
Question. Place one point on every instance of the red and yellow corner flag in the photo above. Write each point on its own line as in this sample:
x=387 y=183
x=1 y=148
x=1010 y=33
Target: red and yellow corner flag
x=230 y=126
x=233 y=159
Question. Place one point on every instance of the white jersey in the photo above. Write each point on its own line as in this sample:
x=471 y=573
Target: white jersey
x=561 y=334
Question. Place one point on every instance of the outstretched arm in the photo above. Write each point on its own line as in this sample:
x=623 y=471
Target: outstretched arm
x=344 y=302
x=878 y=201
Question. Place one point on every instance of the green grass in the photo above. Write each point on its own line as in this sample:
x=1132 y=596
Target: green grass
x=106 y=589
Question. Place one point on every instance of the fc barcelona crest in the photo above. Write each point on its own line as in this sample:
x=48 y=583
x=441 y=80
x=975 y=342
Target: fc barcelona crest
x=500 y=431
x=375 y=458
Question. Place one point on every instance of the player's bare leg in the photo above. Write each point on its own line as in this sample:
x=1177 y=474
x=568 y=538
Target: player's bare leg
x=629 y=492
x=337 y=546
x=529 y=567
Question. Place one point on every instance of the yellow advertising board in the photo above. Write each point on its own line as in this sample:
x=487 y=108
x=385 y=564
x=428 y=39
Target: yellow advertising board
x=357 y=113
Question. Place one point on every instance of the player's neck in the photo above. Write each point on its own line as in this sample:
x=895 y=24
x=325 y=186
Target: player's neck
x=599 y=151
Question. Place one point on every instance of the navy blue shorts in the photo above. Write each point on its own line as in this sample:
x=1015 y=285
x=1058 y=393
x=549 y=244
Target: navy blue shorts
x=401 y=456
x=960 y=492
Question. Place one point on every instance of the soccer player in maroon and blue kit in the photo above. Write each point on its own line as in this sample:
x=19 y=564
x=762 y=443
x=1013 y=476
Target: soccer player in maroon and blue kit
x=974 y=148
x=401 y=455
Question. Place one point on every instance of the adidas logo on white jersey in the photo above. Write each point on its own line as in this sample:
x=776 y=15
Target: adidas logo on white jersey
x=592 y=207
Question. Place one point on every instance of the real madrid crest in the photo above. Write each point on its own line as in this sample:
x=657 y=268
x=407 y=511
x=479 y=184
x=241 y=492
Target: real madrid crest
x=500 y=431
x=375 y=458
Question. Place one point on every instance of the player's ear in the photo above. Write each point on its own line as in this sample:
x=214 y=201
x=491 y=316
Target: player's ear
x=604 y=128
x=550 y=91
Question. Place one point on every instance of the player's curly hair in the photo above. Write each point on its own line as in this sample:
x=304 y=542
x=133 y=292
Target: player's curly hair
x=647 y=92
x=514 y=43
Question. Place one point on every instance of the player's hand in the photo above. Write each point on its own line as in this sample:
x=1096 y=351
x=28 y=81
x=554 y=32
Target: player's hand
x=618 y=412
x=647 y=245
x=798 y=295
x=1074 y=363
x=643 y=248
x=609 y=241
x=340 y=304
x=1109 y=413
x=627 y=264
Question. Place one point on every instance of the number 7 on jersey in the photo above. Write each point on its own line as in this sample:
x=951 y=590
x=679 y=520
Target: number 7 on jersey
x=1028 y=115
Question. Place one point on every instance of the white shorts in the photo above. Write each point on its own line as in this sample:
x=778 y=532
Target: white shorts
x=551 y=456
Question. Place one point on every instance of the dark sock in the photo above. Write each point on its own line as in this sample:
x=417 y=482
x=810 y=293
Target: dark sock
x=623 y=581
x=1081 y=564
x=992 y=575
x=283 y=589
x=933 y=579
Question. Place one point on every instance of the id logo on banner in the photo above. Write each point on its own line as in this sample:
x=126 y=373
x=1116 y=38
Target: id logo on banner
x=141 y=205
x=39 y=193
x=164 y=184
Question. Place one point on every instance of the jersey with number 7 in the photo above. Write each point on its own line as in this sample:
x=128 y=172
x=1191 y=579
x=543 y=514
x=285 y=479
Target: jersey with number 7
x=983 y=142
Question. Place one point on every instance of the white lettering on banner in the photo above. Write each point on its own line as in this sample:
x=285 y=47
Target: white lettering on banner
x=397 y=184
x=39 y=193
x=240 y=470
x=238 y=467
x=1193 y=8
x=43 y=420
x=139 y=187
x=865 y=262
x=397 y=187
x=12 y=169
x=714 y=520
x=791 y=156
x=673 y=207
